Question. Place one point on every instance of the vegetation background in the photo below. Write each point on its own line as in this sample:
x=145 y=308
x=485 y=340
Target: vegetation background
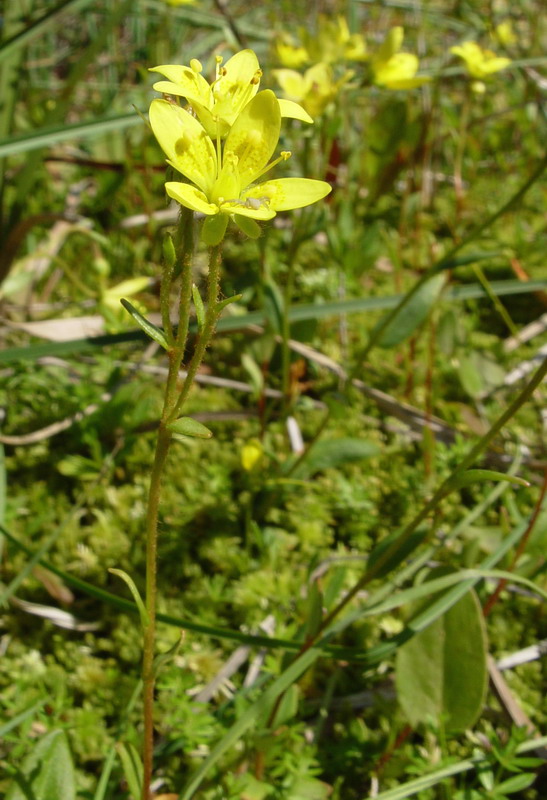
x=331 y=434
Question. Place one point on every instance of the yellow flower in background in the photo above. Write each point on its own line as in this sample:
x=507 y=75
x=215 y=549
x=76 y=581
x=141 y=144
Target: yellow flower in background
x=480 y=63
x=217 y=105
x=504 y=33
x=224 y=177
x=314 y=90
x=175 y=3
x=393 y=69
x=333 y=43
x=290 y=54
x=252 y=454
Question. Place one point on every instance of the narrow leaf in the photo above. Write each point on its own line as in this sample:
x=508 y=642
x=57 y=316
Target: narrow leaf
x=143 y=613
x=226 y=302
x=186 y=426
x=132 y=768
x=473 y=476
x=411 y=316
x=149 y=328
x=200 y=308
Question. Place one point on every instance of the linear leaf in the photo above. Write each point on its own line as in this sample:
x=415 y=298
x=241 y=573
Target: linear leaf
x=149 y=328
x=296 y=314
x=45 y=137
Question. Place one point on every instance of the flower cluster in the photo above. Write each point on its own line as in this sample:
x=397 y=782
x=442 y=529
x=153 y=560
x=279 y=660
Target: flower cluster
x=224 y=142
x=328 y=51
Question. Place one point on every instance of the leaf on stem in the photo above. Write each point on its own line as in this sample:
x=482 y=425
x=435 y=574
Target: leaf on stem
x=472 y=476
x=200 y=308
x=143 y=613
x=223 y=303
x=149 y=328
x=186 y=426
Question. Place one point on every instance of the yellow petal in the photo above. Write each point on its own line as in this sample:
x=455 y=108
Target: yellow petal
x=238 y=84
x=227 y=186
x=256 y=210
x=391 y=44
x=293 y=110
x=400 y=67
x=292 y=83
x=190 y=197
x=185 y=143
x=287 y=193
x=254 y=135
x=184 y=82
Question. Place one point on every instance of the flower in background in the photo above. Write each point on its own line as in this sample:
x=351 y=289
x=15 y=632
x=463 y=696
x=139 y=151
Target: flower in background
x=217 y=105
x=480 y=63
x=224 y=177
x=332 y=44
x=504 y=33
x=393 y=69
x=314 y=90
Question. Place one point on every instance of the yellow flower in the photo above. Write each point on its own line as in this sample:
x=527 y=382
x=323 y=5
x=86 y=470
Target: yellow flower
x=225 y=177
x=332 y=43
x=504 y=33
x=393 y=69
x=314 y=90
x=289 y=54
x=480 y=63
x=217 y=105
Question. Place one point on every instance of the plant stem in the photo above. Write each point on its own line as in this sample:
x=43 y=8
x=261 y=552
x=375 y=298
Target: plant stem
x=162 y=448
x=172 y=404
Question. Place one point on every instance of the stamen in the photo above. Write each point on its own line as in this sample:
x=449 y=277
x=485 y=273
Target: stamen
x=218 y=61
x=284 y=155
x=196 y=65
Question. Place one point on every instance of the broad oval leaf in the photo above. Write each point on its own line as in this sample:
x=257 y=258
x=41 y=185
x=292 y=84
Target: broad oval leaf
x=48 y=771
x=441 y=673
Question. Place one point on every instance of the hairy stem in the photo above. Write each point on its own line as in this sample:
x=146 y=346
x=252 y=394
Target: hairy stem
x=173 y=402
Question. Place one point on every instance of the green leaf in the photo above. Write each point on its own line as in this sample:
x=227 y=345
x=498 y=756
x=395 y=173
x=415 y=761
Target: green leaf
x=62 y=133
x=442 y=673
x=273 y=306
x=132 y=768
x=333 y=453
x=250 y=227
x=143 y=613
x=413 y=313
x=47 y=771
x=186 y=426
x=517 y=783
x=472 y=476
x=226 y=302
x=361 y=305
x=200 y=308
x=151 y=330
x=213 y=229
